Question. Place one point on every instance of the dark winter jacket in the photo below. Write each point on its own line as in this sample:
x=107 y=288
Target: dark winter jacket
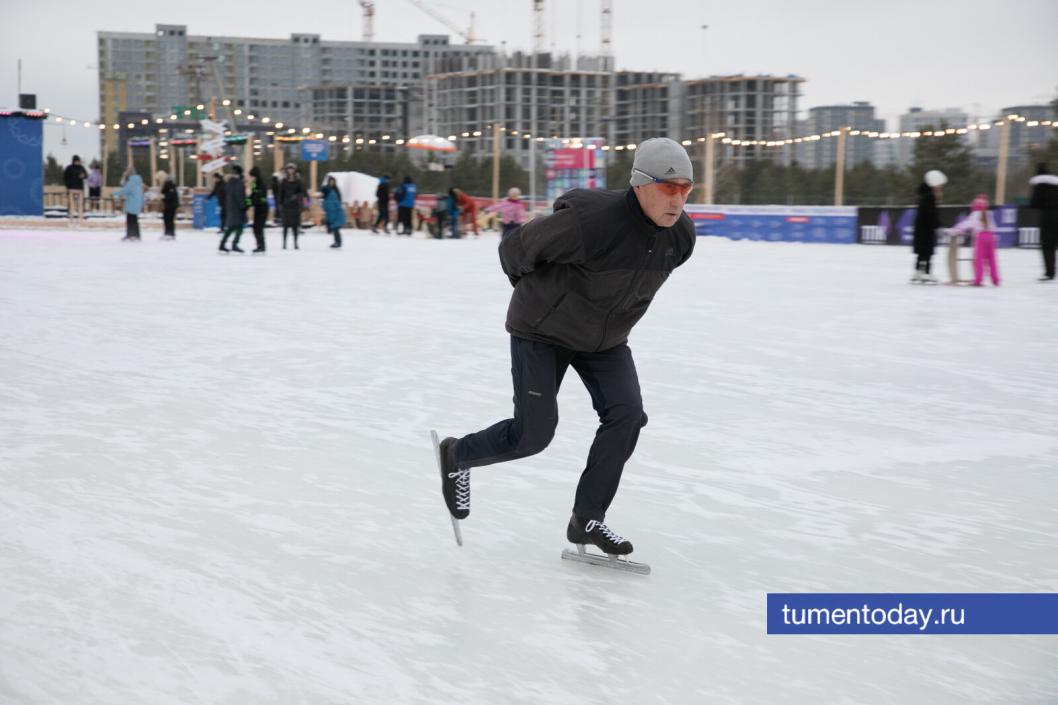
x=382 y=194
x=73 y=176
x=926 y=222
x=584 y=275
x=170 y=197
x=290 y=194
x=218 y=193
x=235 y=202
x=1045 y=199
x=258 y=198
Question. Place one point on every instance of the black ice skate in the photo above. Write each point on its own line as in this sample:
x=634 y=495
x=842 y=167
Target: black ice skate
x=455 y=483
x=596 y=533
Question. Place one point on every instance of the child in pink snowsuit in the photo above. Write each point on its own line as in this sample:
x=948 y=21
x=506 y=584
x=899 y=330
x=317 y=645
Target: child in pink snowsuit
x=982 y=227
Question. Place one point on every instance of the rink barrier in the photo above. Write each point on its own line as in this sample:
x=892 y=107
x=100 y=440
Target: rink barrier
x=819 y=224
x=1016 y=226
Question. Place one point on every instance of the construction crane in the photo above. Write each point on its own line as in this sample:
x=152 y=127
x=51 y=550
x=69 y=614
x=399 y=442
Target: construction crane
x=538 y=26
x=467 y=34
x=369 y=20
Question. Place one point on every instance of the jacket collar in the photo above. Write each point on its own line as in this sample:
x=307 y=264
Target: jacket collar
x=633 y=205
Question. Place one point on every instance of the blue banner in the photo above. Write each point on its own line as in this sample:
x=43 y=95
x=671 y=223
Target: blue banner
x=21 y=166
x=205 y=212
x=913 y=613
x=833 y=224
x=313 y=151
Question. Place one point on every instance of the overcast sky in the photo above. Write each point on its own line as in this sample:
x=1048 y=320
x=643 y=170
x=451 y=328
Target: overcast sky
x=975 y=55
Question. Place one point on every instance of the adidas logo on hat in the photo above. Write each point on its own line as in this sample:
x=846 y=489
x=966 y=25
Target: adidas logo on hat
x=670 y=171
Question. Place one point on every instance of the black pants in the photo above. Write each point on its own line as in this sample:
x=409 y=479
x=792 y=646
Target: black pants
x=132 y=226
x=260 y=217
x=237 y=229
x=337 y=232
x=383 y=217
x=1048 y=245
x=922 y=262
x=537 y=370
x=295 y=229
x=404 y=220
x=169 y=220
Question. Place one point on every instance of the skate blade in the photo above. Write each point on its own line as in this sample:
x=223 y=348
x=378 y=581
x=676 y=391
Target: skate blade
x=607 y=561
x=437 y=457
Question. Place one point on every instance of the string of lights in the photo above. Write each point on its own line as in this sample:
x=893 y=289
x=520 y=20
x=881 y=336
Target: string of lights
x=284 y=133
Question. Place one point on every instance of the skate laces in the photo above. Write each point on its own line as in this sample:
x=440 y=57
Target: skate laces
x=592 y=525
x=462 y=478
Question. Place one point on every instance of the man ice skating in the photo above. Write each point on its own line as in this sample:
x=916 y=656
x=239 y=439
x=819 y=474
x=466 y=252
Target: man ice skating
x=583 y=277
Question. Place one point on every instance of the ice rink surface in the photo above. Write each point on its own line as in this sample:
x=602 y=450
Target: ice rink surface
x=217 y=486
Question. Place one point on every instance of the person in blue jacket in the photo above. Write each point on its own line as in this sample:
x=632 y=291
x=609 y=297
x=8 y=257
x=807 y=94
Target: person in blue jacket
x=132 y=197
x=333 y=210
x=452 y=206
x=405 y=194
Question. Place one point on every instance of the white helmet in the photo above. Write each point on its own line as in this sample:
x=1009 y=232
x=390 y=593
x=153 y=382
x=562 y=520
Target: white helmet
x=935 y=178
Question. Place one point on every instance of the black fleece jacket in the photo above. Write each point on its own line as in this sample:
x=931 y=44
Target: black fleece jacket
x=584 y=275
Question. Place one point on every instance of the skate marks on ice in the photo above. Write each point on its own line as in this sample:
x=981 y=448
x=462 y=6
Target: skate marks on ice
x=607 y=561
x=437 y=456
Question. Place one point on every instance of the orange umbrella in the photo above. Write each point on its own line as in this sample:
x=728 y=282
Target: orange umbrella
x=431 y=143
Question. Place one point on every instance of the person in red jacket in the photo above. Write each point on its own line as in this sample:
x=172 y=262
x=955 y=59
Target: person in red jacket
x=468 y=210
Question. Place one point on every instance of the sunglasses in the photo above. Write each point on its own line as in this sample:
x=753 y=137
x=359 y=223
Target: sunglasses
x=669 y=188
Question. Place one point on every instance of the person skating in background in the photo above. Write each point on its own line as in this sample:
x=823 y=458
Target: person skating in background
x=277 y=200
x=382 y=197
x=468 y=211
x=927 y=221
x=291 y=191
x=405 y=203
x=132 y=203
x=73 y=176
x=583 y=277
x=333 y=210
x=452 y=211
x=217 y=194
x=1045 y=199
x=511 y=210
x=95 y=186
x=170 y=202
x=235 y=212
x=981 y=226
x=258 y=202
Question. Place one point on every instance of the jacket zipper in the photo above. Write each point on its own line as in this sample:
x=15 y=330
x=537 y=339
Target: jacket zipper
x=631 y=291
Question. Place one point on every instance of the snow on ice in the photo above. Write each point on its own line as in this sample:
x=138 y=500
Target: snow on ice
x=218 y=487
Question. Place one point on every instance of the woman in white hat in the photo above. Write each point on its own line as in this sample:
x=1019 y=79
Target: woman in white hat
x=926 y=223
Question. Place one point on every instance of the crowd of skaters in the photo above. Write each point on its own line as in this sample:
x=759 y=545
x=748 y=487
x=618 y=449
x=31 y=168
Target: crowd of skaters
x=457 y=213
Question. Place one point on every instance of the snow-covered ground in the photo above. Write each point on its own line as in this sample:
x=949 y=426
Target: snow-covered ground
x=216 y=483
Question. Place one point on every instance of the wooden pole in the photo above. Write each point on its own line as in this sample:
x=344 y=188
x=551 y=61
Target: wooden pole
x=198 y=165
x=1001 y=169
x=277 y=150
x=495 y=162
x=248 y=158
x=154 y=162
x=313 y=175
x=128 y=154
x=839 y=169
x=710 y=168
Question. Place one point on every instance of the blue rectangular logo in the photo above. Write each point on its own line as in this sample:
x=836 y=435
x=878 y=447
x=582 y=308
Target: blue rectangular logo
x=912 y=613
